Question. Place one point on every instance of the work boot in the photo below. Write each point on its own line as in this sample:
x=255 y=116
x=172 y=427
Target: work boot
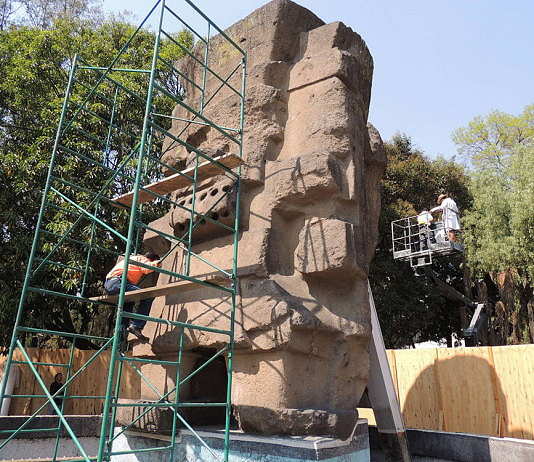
x=137 y=332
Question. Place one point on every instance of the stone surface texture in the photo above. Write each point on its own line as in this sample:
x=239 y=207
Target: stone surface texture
x=310 y=205
x=247 y=448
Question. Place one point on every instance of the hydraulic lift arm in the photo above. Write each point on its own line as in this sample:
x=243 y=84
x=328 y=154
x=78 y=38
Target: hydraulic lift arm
x=479 y=316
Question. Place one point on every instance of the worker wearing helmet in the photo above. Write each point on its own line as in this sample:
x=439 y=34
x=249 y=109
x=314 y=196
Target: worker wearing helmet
x=424 y=218
x=134 y=275
x=451 y=221
x=426 y=227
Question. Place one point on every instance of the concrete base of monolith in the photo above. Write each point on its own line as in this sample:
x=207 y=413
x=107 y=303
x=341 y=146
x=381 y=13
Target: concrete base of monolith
x=245 y=447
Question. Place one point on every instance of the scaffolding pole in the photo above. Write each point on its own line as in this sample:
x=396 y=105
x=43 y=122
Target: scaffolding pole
x=127 y=155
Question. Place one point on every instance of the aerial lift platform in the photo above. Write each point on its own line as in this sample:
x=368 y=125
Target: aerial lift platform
x=420 y=242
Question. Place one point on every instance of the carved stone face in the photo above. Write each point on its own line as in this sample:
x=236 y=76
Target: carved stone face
x=309 y=214
x=215 y=198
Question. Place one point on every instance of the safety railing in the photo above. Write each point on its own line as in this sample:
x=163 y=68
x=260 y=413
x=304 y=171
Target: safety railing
x=418 y=239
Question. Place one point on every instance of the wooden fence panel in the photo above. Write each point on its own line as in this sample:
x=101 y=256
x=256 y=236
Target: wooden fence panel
x=47 y=373
x=466 y=389
x=418 y=387
x=393 y=366
x=131 y=383
x=486 y=390
x=26 y=383
x=514 y=366
x=91 y=382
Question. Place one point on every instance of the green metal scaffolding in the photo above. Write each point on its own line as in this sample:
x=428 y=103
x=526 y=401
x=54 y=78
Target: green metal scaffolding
x=96 y=98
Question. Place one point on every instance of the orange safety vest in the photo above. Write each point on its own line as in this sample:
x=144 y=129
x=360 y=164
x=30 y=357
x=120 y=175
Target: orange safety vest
x=135 y=273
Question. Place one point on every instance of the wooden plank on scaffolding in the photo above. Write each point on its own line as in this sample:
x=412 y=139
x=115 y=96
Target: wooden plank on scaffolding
x=176 y=181
x=162 y=290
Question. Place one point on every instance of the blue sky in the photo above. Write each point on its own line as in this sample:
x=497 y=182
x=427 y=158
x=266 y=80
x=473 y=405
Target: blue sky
x=438 y=63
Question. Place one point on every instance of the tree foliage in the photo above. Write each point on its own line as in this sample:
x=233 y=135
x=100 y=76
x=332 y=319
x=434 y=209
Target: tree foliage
x=489 y=142
x=43 y=13
x=410 y=309
x=8 y=10
x=500 y=225
x=34 y=65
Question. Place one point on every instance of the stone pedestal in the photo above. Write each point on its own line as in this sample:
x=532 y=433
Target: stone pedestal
x=246 y=448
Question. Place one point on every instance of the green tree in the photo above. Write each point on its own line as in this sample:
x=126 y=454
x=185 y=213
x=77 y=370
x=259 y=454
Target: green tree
x=409 y=307
x=7 y=9
x=488 y=142
x=34 y=65
x=500 y=225
x=43 y=13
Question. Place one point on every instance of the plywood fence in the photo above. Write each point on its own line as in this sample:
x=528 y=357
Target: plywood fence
x=90 y=382
x=484 y=390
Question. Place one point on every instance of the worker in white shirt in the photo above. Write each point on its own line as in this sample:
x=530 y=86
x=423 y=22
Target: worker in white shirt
x=451 y=215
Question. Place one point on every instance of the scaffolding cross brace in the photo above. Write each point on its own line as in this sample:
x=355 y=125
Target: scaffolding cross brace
x=129 y=157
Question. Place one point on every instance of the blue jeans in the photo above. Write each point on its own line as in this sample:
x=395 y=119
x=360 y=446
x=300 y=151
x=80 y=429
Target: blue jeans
x=113 y=287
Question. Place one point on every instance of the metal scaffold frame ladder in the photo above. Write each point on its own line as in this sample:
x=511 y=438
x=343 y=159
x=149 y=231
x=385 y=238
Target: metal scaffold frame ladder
x=61 y=195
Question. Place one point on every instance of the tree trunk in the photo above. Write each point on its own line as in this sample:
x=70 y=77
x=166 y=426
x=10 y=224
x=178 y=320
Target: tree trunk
x=526 y=309
x=530 y=309
x=507 y=293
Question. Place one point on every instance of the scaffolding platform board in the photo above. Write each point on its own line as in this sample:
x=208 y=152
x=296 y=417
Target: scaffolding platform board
x=160 y=291
x=180 y=180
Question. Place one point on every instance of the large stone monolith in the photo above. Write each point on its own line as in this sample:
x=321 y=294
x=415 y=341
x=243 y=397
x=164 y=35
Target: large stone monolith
x=309 y=211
